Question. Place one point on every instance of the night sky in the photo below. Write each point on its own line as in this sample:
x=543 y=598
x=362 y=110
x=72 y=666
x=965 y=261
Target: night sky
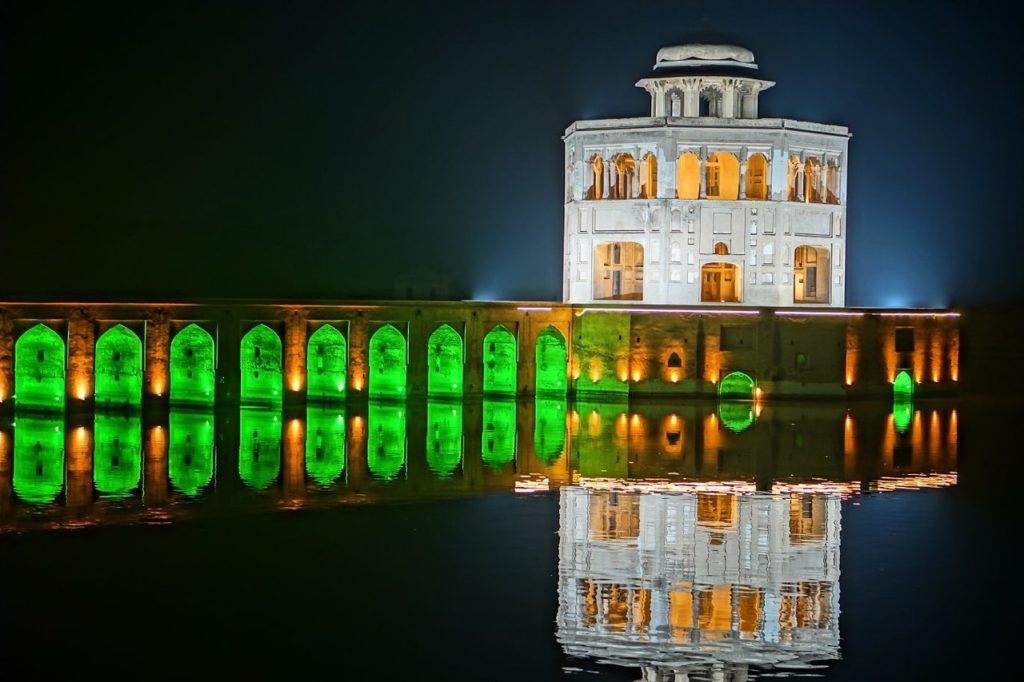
x=309 y=150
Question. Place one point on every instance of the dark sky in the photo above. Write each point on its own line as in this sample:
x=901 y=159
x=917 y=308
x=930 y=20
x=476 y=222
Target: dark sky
x=310 y=150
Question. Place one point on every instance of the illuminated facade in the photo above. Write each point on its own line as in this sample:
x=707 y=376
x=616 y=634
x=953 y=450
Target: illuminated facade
x=702 y=201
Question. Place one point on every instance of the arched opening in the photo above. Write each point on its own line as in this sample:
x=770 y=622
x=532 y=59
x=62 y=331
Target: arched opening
x=832 y=182
x=259 y=447
x=688 y=176
x=552 y=362
x=500 y=362
x=757 y=177
x=903 y=386
x=721 y=249
x=723 y=177
x=117 y=454
x=812 y=181
x=649 y=177
x=595 y=178
x=736 y=415
x=674 y=361
x=810 y=275
x=39 y=369
x=119 y=367
x=444 y=437
x=902 y=414
x=619 y=271
x=38 y=474
x=193 y=375
x=720 y=283
x=326 y=365
x=624 y=175
x=737 y=386
x=444 y=362
x=794 y=180
x=385 y=440
x=498 y=441
x=190 y=451
x=325 y=444
x=549 y=429
x=710 y=103
x=261 y=366
x=387 y=363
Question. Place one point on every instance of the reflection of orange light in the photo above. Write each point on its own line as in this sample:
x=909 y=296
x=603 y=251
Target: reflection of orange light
x=81 y=390
x=757 y=409
x=295 y=382
x=357 y=382
x=357 y=426
x=80 y=436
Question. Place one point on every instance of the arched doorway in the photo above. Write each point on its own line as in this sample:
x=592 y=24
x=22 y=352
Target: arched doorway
x=552 y=362
x=387 y=363
x=498 y=440
x=736 y=415
x=325 y=443
x=259 y=446
x=192 y=366
x=619 y=271
x=903 y=386
x=38 y=458
x=736 y=385
x=444 y=362
x=190 y=451
x=39 y=369
x=810 y=275
x=117 y=454
x=119 y=367
x=500 y=362
x=385 y=440
x=326 y=365
x=720 y=283
x=261 y=365
x=444 y=437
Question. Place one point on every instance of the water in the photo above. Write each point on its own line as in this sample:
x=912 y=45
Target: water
x=511 y=540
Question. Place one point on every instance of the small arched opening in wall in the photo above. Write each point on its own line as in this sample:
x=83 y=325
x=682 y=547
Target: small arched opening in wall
x=721 y=249
x=723 y=177
x=710 y=102
x=810 y=275
x=619 y=271
x=720 y=283
x=595 y=178
x=757 y=177
x=623 y=173
x=649 y=176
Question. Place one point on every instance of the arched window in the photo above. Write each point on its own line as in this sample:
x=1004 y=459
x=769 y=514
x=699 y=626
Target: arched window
x=595 y=173
x=720 y=283
x=385 y=439
x=498 y=440
x=721 y=249
x=757 y=177
x=119 y=367
x=325 y=443
x=688 y=176
x=649 y=178
x=625 y=173
x=190 y=450
x=39 y=458
x=261 y=365
x=444 y=362
x=117 y=454
x=552 y=362
x=810 y=275
x=794 y=180
x=710 y=102
x=832 y=182
x=444 y=437
x=259 y=446
x=326 y=364
x=723 y=176
x=192 y=366
x=500 y=362
x=39 y=368
x=812 y=181
x=619 y=271
x=903 y=386
x=387 y=363
x=674 y=360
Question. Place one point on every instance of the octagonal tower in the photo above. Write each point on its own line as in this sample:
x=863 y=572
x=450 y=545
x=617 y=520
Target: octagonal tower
x=702 y=202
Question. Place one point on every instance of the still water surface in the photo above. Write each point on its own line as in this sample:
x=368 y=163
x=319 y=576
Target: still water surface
x=509 y=540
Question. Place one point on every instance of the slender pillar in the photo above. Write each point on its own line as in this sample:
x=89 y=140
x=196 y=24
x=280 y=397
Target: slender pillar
x=358 y=356
x=743 y=175
x=295 y=339
x=156 y=380
x=6 y=357
x=703 y=172
x=81 y=357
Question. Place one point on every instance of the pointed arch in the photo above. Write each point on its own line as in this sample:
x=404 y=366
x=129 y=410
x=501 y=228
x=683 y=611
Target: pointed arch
x=674 y=361
x=388 y=364
x=190 y=451
x=500 y=362
x=386 y=441
x=259 y=446
x=498 y=440
x=903 y=386
x=117 y=454
x=757 y=177
x=325 y=444
x=261 y=366
x=444 y=362
x=193 y=373
x=444 y=437
x=722 y=179
x=552 y=362
x=38 y=474
x=649 y=176
x=326 y=365
x=688 y=176
x=39 y=356
x=118 y=367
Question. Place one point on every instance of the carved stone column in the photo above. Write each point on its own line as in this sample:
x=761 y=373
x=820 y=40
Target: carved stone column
x=703 y=172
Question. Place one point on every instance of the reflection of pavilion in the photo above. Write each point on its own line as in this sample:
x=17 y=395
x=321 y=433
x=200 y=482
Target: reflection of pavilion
x=681 y=583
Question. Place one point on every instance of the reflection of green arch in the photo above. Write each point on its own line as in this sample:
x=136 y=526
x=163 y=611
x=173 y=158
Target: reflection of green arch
x=119 y=367
x=385 y=443
x=444 y=437
x=736 y=385
x=39 y=369
x=500 y=362
x=444 y=362
x=259 y=447
x=902 y=413
x=903 y=386
x=326 y=365
x=117 y=454
x=38 y=458
x=737 y=415
x=261 y=366
x=190 y=452
x=552 y=362
x=498 y=441
x=549 y=429
x=387 y=363
x=325 y=444
x=192 y=366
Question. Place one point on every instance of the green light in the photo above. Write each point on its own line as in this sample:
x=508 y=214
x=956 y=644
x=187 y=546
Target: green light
x=325 y=444
x=119 y=367
x=737 y=415
x=261 y=366
x=902 y=413
x=326 y=365
x=387 y=363
x=39 y=369
x=192 y=366
x=117 y=454
x=552 y=362
x=38 y=458
x=498 y=440
x=190 y=452
x=549 y=429
x=602 y=444
x=903 y=386
x=736 y=385
x=259 y=446
x=500 y=362
x=444 y=437
x=385 y=442
x=444 y=362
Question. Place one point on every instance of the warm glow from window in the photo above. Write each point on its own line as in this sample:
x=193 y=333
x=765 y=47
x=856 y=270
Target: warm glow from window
x=757 y=177
x=723 y=177
x=688 y=176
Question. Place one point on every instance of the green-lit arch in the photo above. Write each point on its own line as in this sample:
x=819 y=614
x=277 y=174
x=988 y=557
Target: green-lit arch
x=552 y=362
x=736 y=415
x=261 y=366
x=193 y=373
x=326 y=365
x=902 y=414
x=500 y=362
x=387 y=363
x=444 y=362
x=190 y=453
x=117 y=454
x=444 y=437
x=385 y=442
x=259 y=447
x=325 y=444
x=39 y=369
x=736 y=385
x=903 y=386
x=38 y=458
x=119 y=367
x=498 y=440
x=549 y=429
